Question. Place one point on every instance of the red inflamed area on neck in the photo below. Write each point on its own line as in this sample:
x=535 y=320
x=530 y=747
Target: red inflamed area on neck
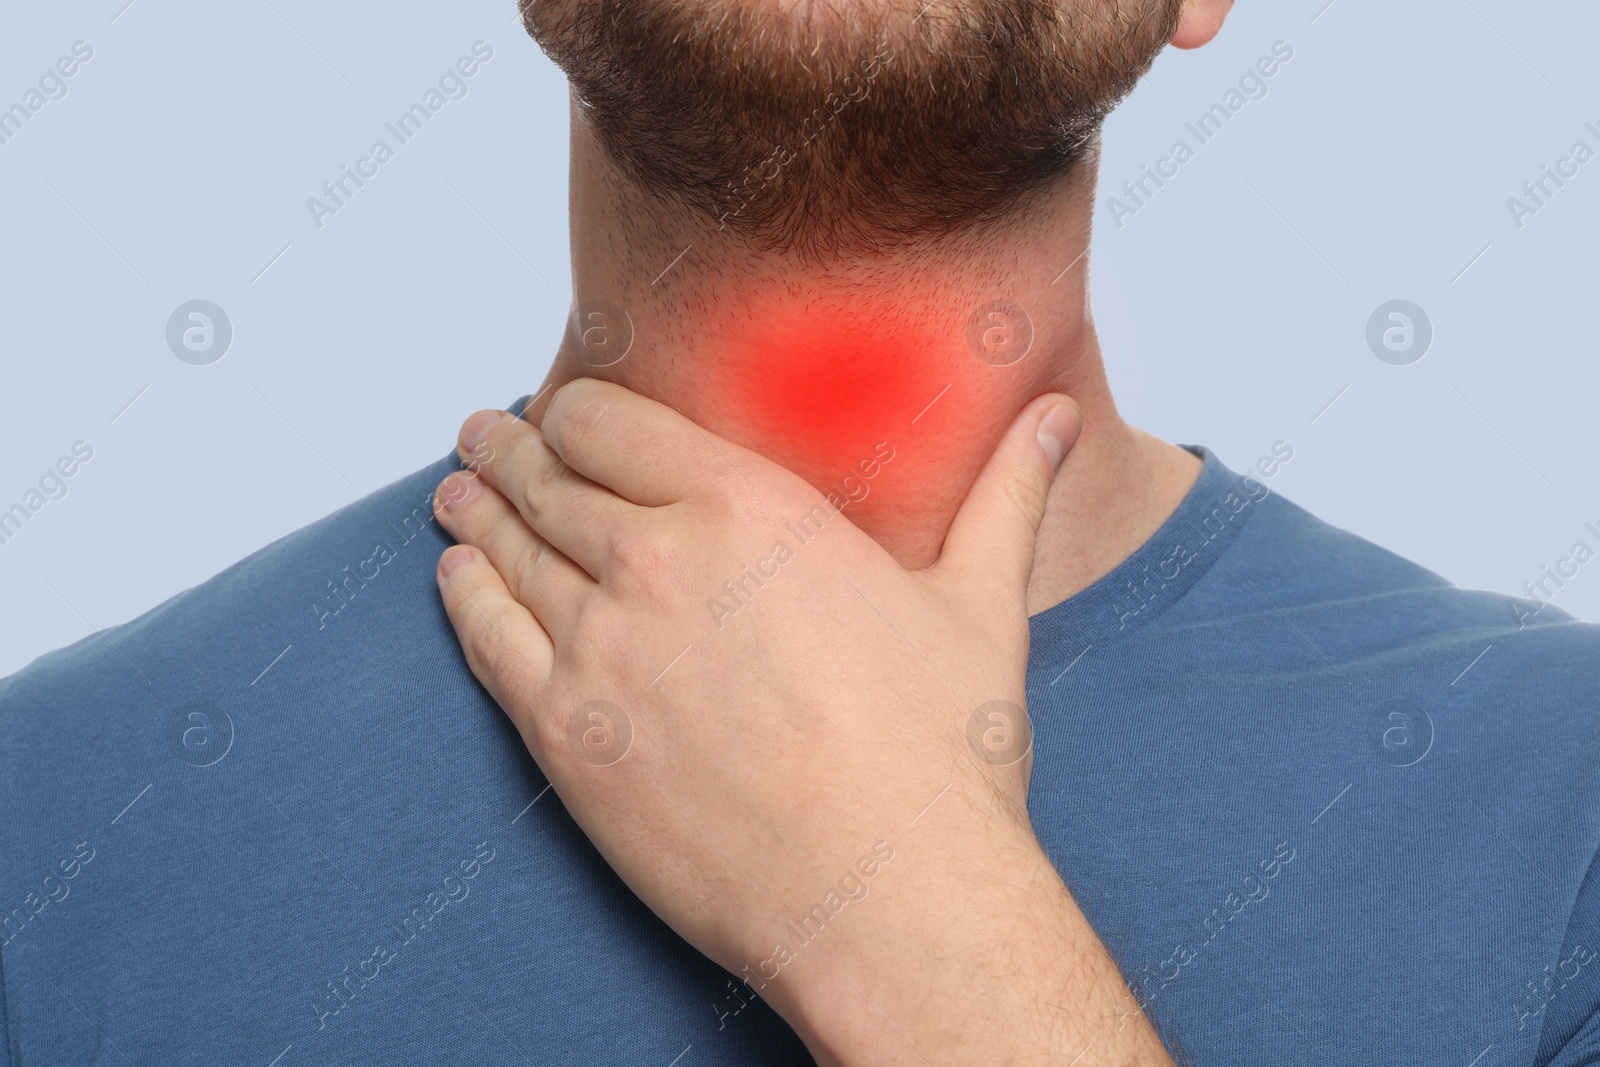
x=817 y=389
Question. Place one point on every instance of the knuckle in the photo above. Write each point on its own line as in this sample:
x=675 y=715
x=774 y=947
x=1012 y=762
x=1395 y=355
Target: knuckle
x=643 y=559
x=491 y=650
x=551 y=476
x=547 y=730
x=527 y=573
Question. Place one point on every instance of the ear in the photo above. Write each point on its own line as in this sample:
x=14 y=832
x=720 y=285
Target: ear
x=1200 y=21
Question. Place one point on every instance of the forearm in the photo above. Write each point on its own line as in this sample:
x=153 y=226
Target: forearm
x=986 y=960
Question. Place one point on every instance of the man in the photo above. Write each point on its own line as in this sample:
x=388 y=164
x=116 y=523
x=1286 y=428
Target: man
x=1318 y=805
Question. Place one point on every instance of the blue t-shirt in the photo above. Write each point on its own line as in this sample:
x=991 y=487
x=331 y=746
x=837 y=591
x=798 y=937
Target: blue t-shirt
x=1322 y=806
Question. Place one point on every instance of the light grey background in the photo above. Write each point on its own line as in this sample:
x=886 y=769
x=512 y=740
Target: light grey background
x=1233 y=306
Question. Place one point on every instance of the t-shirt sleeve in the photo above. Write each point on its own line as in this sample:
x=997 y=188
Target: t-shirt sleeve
x=1566 y=995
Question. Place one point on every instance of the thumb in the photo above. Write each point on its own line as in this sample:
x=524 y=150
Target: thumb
x=993 y=533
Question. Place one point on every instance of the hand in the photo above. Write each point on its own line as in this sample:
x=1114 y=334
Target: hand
x=808 y=761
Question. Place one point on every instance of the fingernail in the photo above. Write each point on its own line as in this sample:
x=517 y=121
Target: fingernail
x=453 y=558
x=458 y=489
x=477 y=427
x=1057 y=432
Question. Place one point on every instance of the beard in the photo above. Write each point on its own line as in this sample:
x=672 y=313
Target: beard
x=835 y=127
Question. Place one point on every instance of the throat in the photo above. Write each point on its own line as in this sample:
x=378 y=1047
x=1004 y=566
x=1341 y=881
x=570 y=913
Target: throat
x=884 y=382
x=879 y=404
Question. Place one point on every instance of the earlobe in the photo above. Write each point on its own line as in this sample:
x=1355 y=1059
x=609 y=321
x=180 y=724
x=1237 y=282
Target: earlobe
x=1200 y=22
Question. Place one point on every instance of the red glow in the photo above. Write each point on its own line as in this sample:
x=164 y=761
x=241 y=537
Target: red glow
x=819 y=388
x=884 y=408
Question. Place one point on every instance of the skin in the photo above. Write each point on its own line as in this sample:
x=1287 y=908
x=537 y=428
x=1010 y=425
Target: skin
x=768 y=751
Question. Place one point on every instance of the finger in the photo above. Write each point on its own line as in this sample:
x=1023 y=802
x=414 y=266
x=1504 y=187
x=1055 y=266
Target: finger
x=585 y=521
x=641 y=450
x=995 y=528
x=539 y=576
x=505 y=646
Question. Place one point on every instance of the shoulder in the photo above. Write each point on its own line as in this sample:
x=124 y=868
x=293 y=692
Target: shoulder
x=1504 y=691
x=1289 y=561
x=1375 y=651
x=219 y=619
x=306 y=623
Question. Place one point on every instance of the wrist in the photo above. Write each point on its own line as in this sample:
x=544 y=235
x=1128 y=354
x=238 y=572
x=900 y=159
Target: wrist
x=966 y=954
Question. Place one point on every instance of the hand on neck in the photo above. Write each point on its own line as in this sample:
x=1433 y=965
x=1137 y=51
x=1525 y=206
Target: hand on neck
x=886 y=381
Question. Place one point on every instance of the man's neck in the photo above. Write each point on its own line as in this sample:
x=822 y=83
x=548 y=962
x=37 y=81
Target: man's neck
x=886 y=383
